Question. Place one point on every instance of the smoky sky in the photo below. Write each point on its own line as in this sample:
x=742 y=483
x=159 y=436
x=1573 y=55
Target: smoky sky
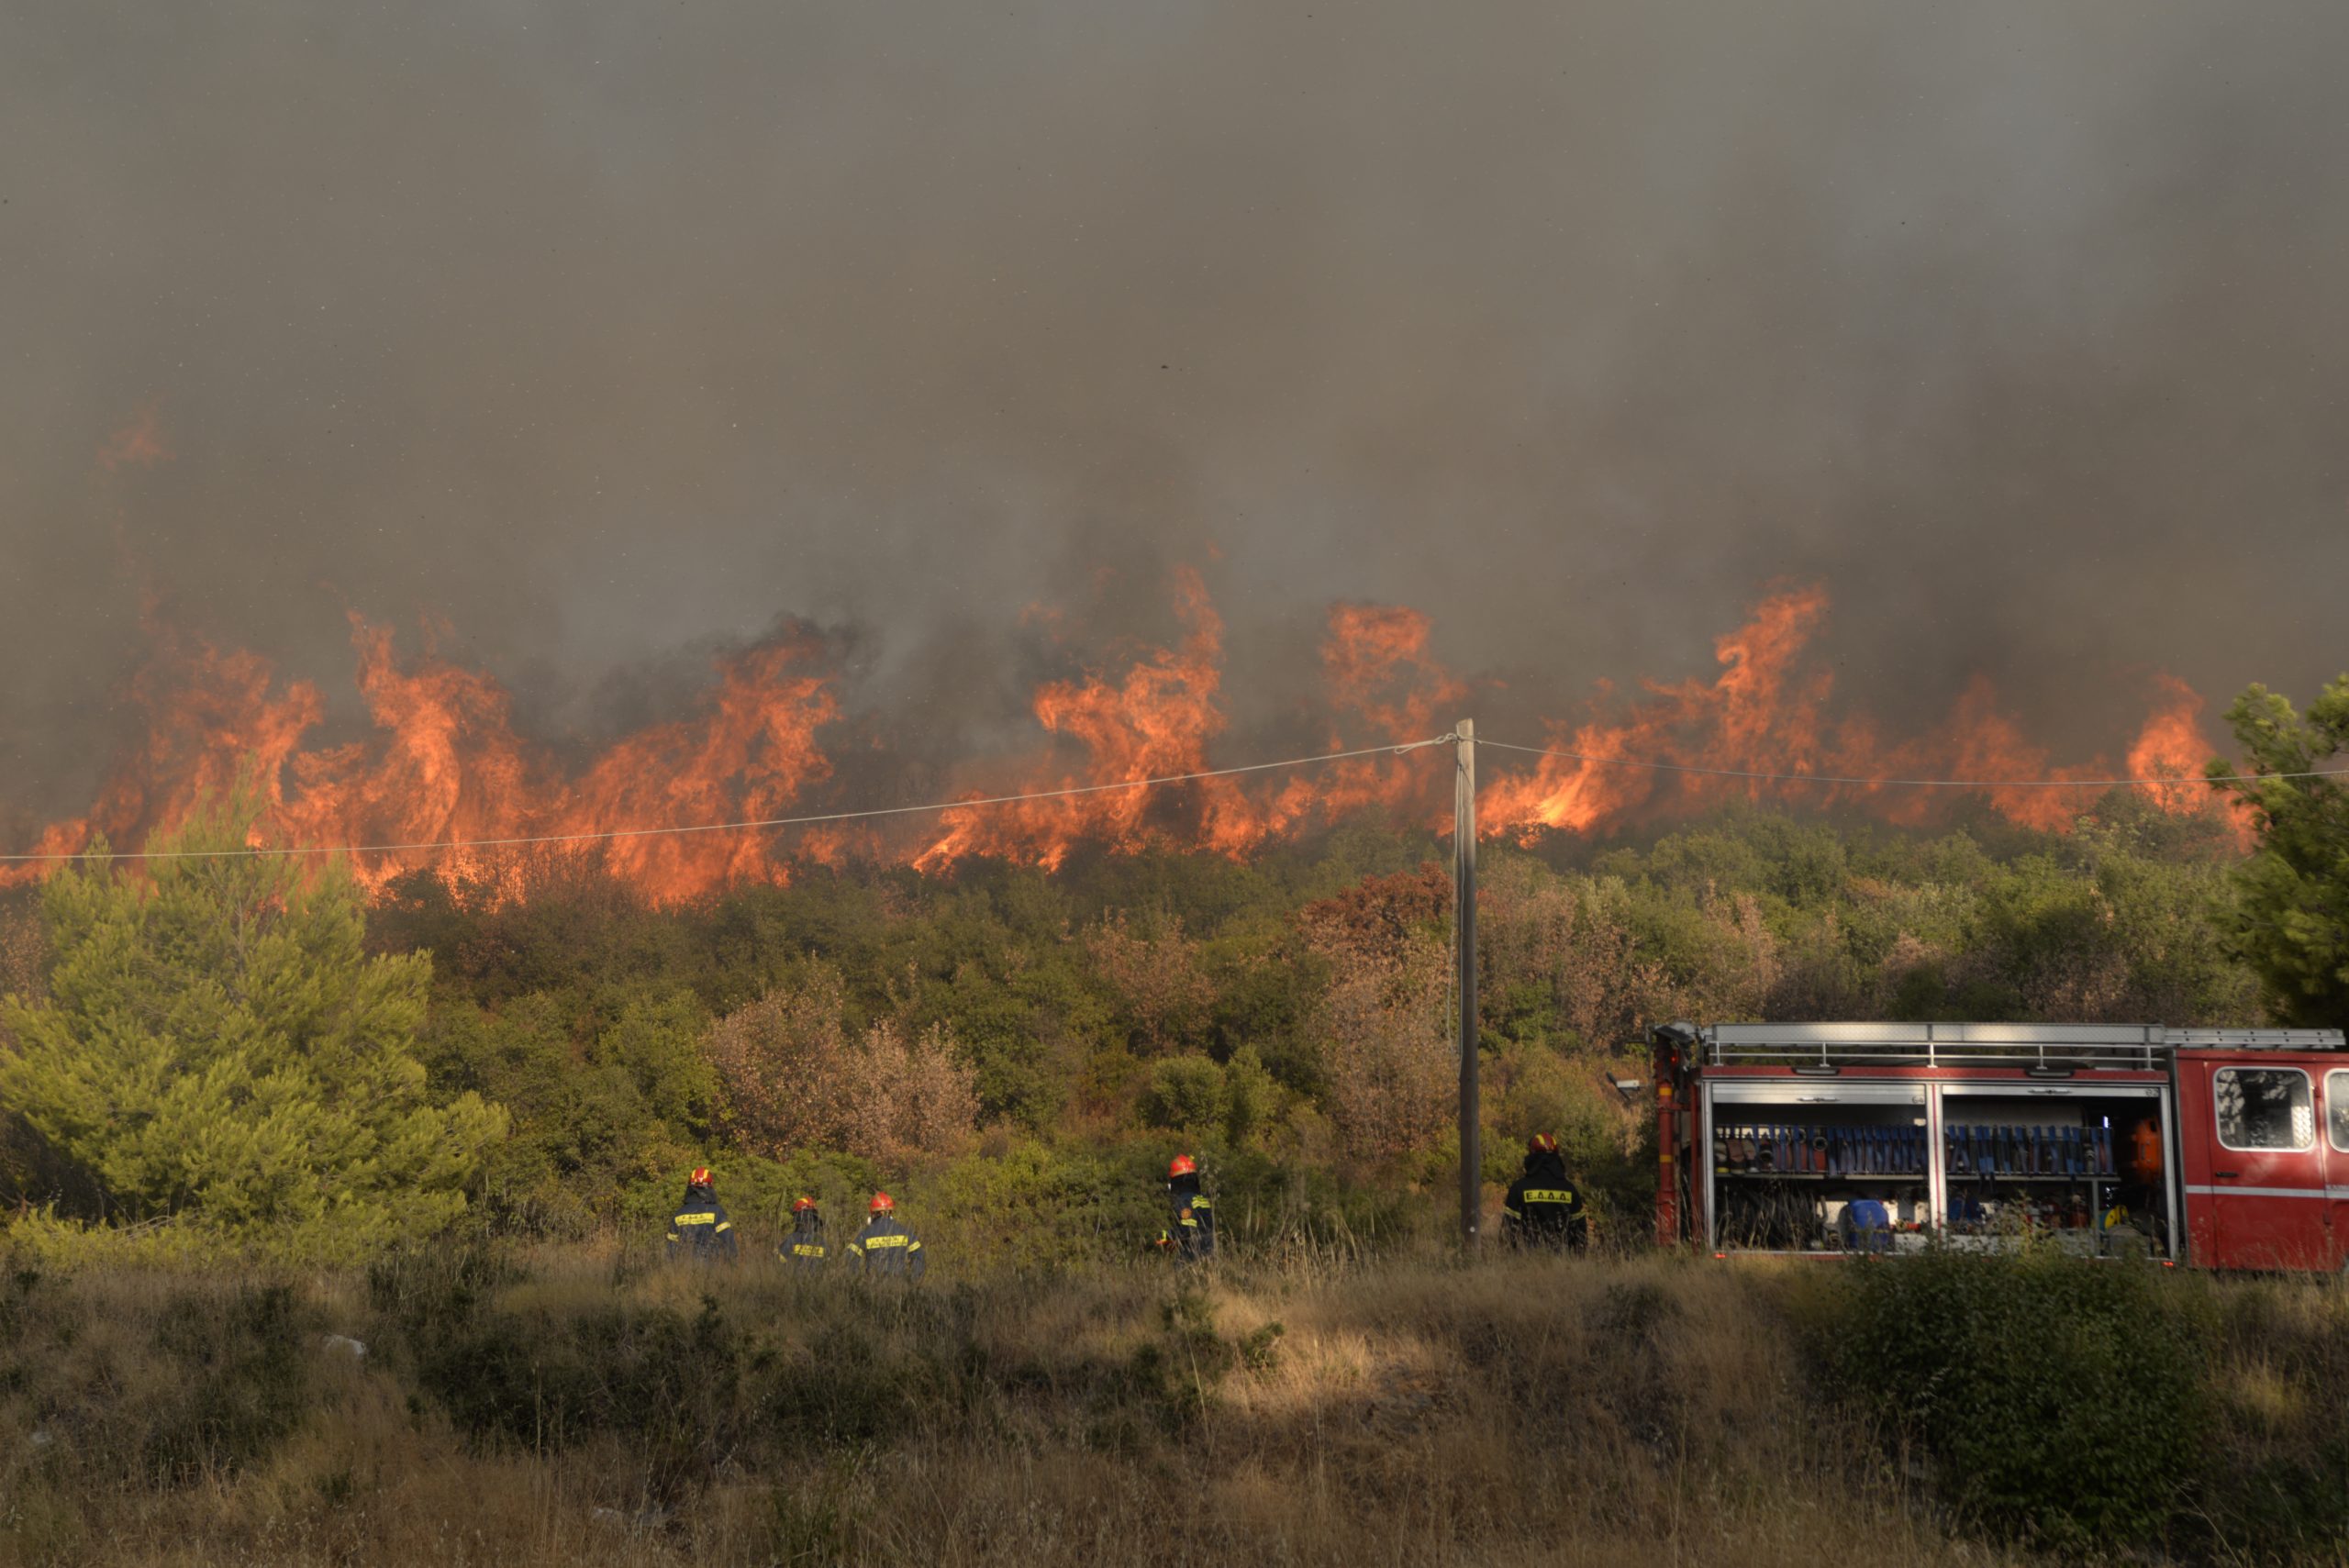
x=605 y=334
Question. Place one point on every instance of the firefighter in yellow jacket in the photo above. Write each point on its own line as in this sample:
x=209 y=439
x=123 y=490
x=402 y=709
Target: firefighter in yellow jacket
x=805 y=1248
x=700 y=1231
x=1542 y=1208
x=885 y=1248
x=1190 y=1231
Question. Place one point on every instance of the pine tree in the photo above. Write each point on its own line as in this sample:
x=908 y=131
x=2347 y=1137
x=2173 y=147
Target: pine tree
x=220 y=1054
x=2290 y=922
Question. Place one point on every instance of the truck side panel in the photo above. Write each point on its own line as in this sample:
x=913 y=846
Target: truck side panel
x=2254 y=1168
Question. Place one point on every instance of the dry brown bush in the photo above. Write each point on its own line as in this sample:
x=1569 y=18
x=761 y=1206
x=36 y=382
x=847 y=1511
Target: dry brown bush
x=1383 y=1018
x=1566 y=939
x=897 y=1097
x=794 y=1077
x=1162 y=992
x=1390 y=1051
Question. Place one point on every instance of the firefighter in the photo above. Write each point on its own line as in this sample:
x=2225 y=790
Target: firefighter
x=1542 y=1208
x=1190 y=1230
x=699 y=1232
x=886 y=1248
x=805 y=1248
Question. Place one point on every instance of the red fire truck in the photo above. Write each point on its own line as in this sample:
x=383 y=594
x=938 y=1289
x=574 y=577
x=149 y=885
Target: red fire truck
x=2224 y=1149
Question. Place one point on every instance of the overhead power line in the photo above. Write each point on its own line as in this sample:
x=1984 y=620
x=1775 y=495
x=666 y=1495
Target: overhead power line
x=767 y=822
x=821 y=818
x=1904 y=784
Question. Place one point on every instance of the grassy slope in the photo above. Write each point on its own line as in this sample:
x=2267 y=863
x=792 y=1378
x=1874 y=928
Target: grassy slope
x=1533 y=1412
x=1648 y=1409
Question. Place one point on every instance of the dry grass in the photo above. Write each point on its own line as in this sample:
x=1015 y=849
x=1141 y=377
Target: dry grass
x=1549 y=1411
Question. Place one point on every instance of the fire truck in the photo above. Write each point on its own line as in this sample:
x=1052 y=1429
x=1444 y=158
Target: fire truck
x=2223 y=1149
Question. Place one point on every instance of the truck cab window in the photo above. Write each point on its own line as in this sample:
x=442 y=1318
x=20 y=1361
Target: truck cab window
x=2264 y=1107
x=2336 y=1110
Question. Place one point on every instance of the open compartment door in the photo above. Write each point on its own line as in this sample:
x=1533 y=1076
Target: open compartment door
x=1802 y=1165
x=2082 y=1163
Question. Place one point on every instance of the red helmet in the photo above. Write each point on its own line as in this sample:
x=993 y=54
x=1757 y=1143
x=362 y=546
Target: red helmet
x=882 y=1203
x=1182 y=1165
x=700 y=1178
x=802 y=1205
x=1542 y=1143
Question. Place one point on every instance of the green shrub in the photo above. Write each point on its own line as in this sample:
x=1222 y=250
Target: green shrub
x=670 y=1381
x=846 y=1391
x=1185 y=1093
x=2057 y=1396
x=1049 y=1209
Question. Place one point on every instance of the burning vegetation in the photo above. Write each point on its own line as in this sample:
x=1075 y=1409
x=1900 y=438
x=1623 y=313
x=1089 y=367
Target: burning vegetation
x=446 y=761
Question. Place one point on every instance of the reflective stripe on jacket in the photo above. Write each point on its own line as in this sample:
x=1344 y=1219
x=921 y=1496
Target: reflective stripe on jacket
x=1193 y=1227
x=701 y=1231
x=884 y=1247
x=804 y=1247
x=1543 y=1208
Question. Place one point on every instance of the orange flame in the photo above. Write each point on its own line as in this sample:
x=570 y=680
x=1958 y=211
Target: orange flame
x=1766 y=714
x=1154 y=723
x=2171 y=745
x=445 y=763
x=1376 y=669
x=1761 y=715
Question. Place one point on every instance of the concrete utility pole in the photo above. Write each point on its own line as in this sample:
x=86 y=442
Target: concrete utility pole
x=1464 y=888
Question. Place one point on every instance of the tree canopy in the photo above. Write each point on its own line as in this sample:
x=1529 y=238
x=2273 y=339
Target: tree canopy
x=2291 y=919
x=221 y=1055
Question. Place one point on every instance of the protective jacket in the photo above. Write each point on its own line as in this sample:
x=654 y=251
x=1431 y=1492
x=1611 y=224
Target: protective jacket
x=1544 y=1208
x=700 y=1231
x=1190 y=1227
x=806 y=1247
x=888 y=1248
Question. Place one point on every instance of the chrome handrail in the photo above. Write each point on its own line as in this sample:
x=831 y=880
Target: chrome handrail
x=2048 y=1048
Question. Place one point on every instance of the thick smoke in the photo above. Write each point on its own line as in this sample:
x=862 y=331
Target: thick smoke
x=605 y=333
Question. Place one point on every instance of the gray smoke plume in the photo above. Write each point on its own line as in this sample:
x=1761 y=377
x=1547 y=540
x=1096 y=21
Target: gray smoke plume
x=608 y=333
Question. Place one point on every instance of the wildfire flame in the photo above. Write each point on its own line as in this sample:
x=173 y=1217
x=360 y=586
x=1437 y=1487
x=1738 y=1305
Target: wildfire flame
x=1154 y=722
x=446 y=765
x=1767 y=713
x=444 y=761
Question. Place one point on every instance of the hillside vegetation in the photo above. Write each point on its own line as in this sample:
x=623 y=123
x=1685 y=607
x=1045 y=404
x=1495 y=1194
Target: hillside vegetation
x=1029 y=1047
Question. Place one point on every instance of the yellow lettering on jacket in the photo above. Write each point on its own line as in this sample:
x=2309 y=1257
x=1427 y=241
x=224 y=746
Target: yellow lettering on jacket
x=1549 y=1194
x=696 y=1219
x=886 y=1241
x=801 y=1250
